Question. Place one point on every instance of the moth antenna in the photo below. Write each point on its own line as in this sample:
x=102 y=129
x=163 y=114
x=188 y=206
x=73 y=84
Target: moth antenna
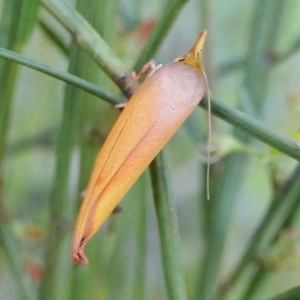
x=194 y=56
x=209 y=123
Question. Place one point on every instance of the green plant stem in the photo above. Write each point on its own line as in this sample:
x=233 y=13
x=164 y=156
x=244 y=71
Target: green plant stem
x=235 y=64
x=88 y=39
x=253 y=127
x=12 y=253
x=254 y=87
x=66 y=77
x=169 y=15
x=9 y=30
x=294 y=48
x=266 y=27
x=252 y=289
x=139 y=277
x=281 y=210
x=57 y=229
x=272 y=222
x=292 y=294
x=168 y=228
x=45 y=138
x=273 y=15
x=56 y=40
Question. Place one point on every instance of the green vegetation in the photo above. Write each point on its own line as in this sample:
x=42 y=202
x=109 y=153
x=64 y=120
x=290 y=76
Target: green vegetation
x=63 y=67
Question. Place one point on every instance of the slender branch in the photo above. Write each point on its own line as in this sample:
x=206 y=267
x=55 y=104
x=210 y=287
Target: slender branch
x=235 y=64
x=67 y=77
x=57 y=232
x=88 y=39
x=169 y=15
x=12 y=252
x=56 y=40
x=272 y=222
x=253 y=127
x=139 y=277
x=292 y=294
x=10 y=28
x=45 y=138
x=168 y=228
x=264 y=34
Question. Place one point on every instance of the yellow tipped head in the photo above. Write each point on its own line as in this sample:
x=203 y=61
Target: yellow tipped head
x=193 y=58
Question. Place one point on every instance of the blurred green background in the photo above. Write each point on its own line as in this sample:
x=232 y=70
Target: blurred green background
x=51 y=132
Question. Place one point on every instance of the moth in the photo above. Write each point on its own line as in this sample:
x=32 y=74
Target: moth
x=152 y=115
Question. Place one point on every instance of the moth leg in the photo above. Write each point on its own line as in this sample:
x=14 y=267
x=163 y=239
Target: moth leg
x=82 y=194
x=149 y=66
x=121 y=105
x=118 y=209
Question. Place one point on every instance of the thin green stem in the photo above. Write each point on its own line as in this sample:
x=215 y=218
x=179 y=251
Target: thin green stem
x=294 y=48
x=51 y=34
x=168 y=17
x=254 y=128
x=254 y=86
x=45 y=138
x=168 y=228
x=262 y=40
x=139 y=277
x=275 y=217
x=9 y=31
x=57 y=232
x=236 y=64
x=252 y=289
x=64 y=76
x=12 y=253
x=292 y=294
x=88 y=39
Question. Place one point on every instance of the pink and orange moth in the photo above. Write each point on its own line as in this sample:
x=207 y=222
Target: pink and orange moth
x=153 y=114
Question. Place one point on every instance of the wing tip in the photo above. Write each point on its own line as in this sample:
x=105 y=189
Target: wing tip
x=77 y=255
